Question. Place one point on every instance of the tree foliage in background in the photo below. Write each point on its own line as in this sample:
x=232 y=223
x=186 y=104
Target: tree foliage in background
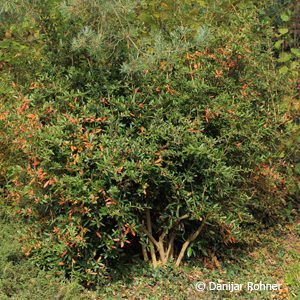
x=165 y=128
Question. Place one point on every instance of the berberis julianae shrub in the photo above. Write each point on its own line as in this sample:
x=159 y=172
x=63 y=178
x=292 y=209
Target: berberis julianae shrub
x=152 y=129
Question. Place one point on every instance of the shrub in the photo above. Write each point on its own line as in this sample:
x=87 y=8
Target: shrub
x=166 y=141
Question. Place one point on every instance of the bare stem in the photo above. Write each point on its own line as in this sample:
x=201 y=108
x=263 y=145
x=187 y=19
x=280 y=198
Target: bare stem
x=145 y=254
x=186 y=244
x=171 y=244
x=152 y=239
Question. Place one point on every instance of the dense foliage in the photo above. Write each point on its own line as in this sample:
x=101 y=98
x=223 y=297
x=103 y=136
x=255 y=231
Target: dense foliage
x=144 y=126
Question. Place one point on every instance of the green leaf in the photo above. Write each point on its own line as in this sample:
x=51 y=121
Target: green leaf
x=283 y=70
x=283 y=30
x=278 y=44
x=189 y=251
x=201 y=2
x=203 y=250
x=295 y=52
x=5 y=44
x=297 y=168
x=284 y=17
x=284 y=57
x=295 y=65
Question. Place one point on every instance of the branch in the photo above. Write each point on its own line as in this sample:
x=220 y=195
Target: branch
x=145 y=254
x=163 y=235
x=186 y=244
x=170 y=244
x=182 y=218
x=152 y=239
x=150 y=236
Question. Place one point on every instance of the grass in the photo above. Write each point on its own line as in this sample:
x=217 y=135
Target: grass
x=275 y=260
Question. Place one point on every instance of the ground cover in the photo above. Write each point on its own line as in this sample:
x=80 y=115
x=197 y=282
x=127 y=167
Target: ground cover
x=275 y=260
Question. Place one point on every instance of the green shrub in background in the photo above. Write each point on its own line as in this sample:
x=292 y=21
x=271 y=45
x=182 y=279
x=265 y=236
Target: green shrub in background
x=141 y=132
